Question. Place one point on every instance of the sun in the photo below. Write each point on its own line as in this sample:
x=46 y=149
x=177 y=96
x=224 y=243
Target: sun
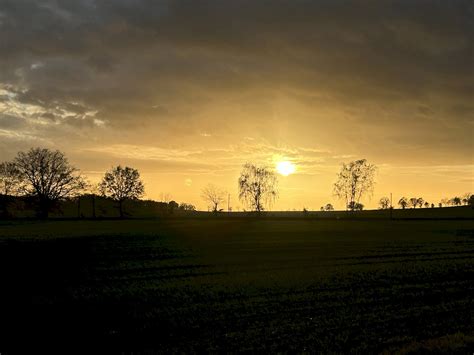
x=285 y=168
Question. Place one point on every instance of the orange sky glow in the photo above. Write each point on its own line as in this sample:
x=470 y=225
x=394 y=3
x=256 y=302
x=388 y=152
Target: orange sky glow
x=188 y=94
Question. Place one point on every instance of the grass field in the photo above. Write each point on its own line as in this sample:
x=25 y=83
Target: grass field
x=190 y=285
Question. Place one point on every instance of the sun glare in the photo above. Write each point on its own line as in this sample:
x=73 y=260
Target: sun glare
x=285 y=168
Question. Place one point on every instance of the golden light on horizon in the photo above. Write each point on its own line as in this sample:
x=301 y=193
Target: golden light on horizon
x=187 y=94
x=285 y=168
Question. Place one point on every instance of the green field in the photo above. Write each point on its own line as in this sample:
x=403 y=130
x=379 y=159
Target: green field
x=219 y=285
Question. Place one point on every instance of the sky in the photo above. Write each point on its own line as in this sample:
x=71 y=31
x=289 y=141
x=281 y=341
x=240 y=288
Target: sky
x=187 y=91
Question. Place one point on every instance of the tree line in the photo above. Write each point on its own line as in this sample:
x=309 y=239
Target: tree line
x=414 y=202
x=48 y=177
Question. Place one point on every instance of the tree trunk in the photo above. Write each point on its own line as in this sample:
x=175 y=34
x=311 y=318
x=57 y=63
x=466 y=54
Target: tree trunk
x=257 y=203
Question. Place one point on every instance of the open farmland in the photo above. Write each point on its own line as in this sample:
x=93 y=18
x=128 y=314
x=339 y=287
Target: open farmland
x=193 y=285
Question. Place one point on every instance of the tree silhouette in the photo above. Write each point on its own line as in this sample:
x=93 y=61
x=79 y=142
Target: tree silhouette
x=165 y=197
x=93 y=191
x=187 y=207
x=420 y=201
x=384 y=203
x=456 y=201
x=413 y=202
x=257 y=186
x=10 y=179
x=403 y=202
x=465 y=198
x=214 y=196
x=122 y=184
x=327 y=207
x=354 y=181
x=427 y=204
x=355 y=206
x=48 y=176
x=173 y=205
x=470 y=201
x=10 y=185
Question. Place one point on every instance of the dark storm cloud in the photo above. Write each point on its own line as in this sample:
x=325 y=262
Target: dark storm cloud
x=139 y=62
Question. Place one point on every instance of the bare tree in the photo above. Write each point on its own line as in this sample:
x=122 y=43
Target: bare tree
x=48 y=176
x=257 y=186
x=420 y=201
x=354 y=181
x=165 y=197
x=10 y=185
x=214 y=196
x=445 y=202
x=413 y=202
x=122 y=184
x=384 y=203
x=403 y=202
x=465 y=198
x=456 y=201
x=10 y=179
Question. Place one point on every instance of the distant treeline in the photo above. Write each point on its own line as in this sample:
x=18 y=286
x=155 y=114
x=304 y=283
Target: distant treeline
x=42 y=183
x=94 y=206
x=90 y=206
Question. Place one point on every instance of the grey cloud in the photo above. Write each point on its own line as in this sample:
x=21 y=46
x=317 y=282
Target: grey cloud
x=371 y=66
x=11 y=122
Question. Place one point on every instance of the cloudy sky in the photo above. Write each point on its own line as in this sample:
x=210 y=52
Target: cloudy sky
x=187 y=91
